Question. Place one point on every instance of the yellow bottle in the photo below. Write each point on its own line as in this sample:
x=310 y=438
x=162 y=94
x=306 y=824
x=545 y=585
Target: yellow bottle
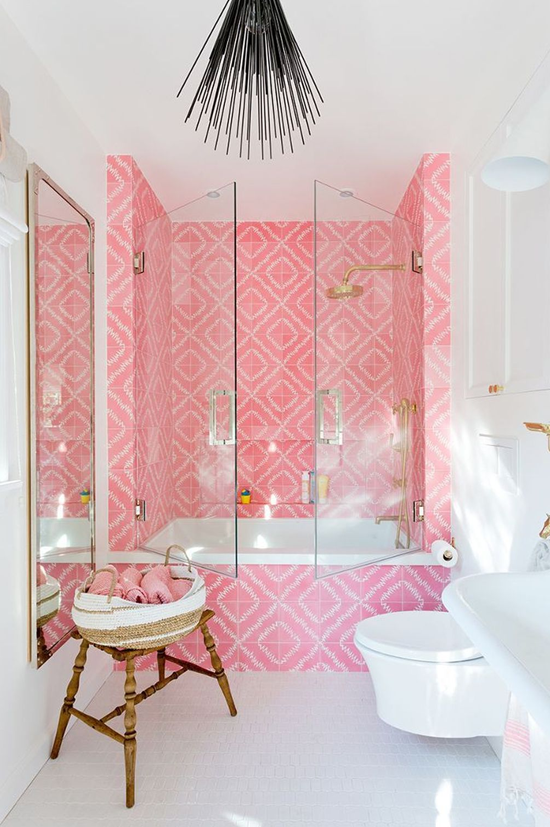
x=322 y=483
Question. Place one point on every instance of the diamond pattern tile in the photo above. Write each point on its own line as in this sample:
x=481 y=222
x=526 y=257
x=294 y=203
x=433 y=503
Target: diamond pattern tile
x=171 y=340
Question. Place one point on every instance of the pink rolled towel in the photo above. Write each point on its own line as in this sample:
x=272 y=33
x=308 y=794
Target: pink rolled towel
x=155 y=584
x=179 y=588
x=130 y=580
x=102 y=583
x=41 y=577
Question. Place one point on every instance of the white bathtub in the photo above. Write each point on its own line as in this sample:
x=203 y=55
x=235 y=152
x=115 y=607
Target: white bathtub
x=343 y=541
x=61 y=538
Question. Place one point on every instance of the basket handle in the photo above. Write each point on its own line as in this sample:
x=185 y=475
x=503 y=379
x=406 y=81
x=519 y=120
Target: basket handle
x=179 y=548
x=91 y=577
x=86 y=583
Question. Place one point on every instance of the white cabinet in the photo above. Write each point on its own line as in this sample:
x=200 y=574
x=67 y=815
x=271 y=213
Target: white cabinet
x=508 y=289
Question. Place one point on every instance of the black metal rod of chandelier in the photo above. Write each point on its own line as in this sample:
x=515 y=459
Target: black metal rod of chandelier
x=256 y=83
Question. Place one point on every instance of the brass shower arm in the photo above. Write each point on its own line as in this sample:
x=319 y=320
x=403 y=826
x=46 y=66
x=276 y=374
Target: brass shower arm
x=357 y=267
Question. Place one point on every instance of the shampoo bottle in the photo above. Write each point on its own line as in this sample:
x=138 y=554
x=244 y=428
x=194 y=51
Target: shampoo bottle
x=305 y=487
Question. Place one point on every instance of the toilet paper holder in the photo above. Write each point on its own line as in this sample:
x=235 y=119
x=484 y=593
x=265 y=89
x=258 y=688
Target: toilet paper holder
x=445 y=554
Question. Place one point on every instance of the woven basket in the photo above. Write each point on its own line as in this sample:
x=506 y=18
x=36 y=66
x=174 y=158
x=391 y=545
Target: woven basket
x=48 y=601
x=112 y=621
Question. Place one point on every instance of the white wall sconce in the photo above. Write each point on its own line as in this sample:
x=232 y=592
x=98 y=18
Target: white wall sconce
x=523 y=162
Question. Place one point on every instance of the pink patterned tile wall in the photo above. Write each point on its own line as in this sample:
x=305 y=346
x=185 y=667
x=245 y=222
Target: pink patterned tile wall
x=139 y=359
x=121 y=355
x=427 y=203
x=396 y=343
x=275 y=363
x=408 y=322
x=152 y=230
x=437 y=344
x=372 y=350
x=355 y=356
x=63 y=386
x=203 y=360
x=279 y=618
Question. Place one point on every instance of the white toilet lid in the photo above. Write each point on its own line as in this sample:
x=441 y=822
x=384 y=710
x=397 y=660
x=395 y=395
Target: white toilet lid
x=429 y=636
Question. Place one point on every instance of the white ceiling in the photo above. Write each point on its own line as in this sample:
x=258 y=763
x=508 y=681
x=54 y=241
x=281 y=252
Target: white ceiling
x=399 y=78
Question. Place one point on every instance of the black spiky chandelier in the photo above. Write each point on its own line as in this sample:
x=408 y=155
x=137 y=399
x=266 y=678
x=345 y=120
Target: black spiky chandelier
x=257 y=84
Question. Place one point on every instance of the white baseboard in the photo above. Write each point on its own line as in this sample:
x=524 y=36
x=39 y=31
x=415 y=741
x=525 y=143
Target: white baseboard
x=30 y=766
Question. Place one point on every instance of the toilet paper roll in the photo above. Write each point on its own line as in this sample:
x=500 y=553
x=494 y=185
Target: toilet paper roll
x=444 y=554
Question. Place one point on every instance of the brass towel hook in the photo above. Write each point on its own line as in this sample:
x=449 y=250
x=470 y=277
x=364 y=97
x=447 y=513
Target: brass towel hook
x=545 y=530
x=541 y=427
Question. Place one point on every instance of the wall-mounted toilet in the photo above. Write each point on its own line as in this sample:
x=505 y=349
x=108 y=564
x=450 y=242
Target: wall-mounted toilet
x=428 y=677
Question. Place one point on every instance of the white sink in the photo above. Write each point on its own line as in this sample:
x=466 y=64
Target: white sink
x=507 y=616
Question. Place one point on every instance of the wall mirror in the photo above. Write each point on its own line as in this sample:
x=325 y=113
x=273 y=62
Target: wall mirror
x=61 y=415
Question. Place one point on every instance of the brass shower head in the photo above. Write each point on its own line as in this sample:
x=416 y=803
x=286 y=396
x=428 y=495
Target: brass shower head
x=351 y=291
x=345 y=291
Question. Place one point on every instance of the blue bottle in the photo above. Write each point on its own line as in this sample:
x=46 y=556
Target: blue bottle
x=312 y=486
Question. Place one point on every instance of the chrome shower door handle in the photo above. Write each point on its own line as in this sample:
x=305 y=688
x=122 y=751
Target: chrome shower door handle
x=232 y=418
x=322 y=437
x=213 y=417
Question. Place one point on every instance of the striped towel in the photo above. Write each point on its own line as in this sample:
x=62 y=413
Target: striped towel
x=525 y=766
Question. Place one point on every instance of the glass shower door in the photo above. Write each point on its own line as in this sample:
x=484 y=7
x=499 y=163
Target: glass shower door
x=186 y=381
x=368 y=383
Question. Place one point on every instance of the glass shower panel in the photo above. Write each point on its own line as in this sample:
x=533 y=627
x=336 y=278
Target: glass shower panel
x=369 y=382
x=186 y=381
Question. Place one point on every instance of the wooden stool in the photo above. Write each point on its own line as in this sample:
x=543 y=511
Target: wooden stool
x=131 y=698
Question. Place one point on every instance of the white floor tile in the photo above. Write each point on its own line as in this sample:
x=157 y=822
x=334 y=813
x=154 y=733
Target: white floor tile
x=305 y=749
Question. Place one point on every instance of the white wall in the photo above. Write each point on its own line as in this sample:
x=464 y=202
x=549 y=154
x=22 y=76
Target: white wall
x=494 y=530
x=43 y=121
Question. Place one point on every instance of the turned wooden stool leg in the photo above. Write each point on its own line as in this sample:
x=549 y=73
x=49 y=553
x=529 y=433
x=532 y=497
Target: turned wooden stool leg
x=130 y=743
x=161 y=661
x=43 y=653
x=68 y=703
x=218 y=668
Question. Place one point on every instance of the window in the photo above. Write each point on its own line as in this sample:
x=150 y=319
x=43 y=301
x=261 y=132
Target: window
x=6 y=341
x=11 y=233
